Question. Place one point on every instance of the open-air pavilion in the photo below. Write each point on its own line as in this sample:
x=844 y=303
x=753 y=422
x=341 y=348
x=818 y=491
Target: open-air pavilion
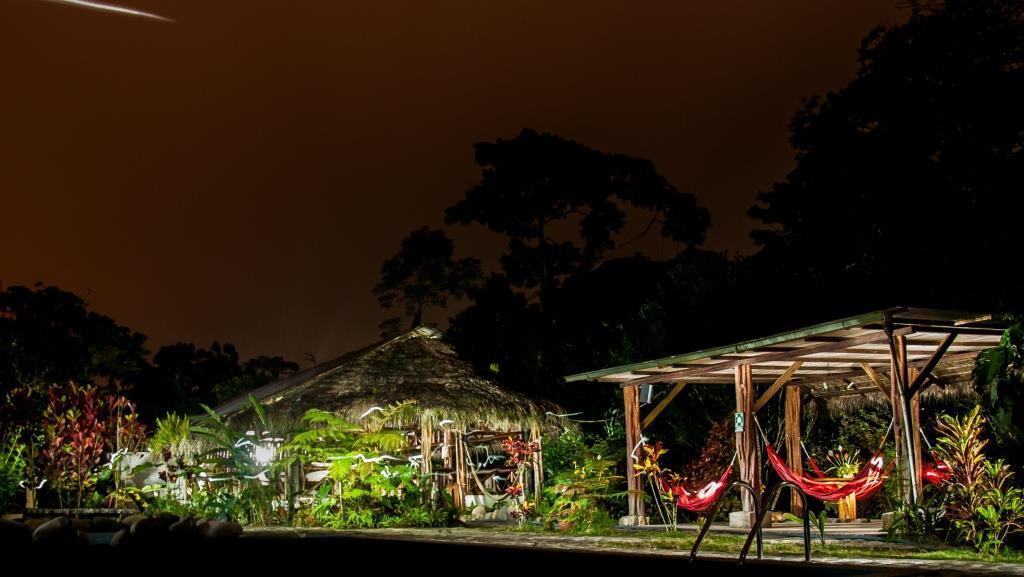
x=895 y=356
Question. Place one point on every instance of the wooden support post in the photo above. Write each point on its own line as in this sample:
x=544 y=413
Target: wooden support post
x=897 y=422
x=910 y=473
x=915 y=435
x=635 y=501
x=793 y=453
x=746 y=439
x=538 y=462
x=426 y=444
x=460 y=470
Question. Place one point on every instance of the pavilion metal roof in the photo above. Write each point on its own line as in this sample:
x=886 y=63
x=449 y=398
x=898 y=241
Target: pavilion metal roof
x=845 y=351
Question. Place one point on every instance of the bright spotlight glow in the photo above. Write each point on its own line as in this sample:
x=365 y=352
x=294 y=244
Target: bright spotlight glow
x=264 y=454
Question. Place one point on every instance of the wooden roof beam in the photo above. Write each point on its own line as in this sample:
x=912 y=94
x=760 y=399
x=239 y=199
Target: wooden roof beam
x=876 y=379
x=926 y=372
x=779 y=382
x=661 y=406
x=778 y=356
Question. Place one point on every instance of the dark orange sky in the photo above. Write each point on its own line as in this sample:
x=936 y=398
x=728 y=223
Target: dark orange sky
x=241 y=173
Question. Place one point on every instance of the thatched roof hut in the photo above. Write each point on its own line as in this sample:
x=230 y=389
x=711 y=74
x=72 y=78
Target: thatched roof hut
x=420 y=365
x=457 y=416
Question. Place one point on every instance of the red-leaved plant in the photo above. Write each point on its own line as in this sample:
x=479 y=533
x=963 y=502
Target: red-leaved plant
x=520 y=455
x=74 y=426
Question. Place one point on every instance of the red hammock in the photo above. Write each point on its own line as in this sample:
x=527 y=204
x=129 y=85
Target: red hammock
x=864 y=484
x=936 y=472
x=702 y=500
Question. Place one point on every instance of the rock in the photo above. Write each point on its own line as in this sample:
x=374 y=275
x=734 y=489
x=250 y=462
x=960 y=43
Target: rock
x=132 y=519
x=80 y=525
x=167 y=519
x=148 y=528
x=120 y=538
x=54 y=531
x=36 y=523
x=219 y=530
x=105 y=525
x=500 y=514
x=183 y=529
x=13 y=534
x=478 y=512
x=888 y=520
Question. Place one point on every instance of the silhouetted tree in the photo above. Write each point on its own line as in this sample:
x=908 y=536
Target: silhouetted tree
x=562 y=205
x=255 y=373
x=48 y=335
x=908 y=181
x=422 y=274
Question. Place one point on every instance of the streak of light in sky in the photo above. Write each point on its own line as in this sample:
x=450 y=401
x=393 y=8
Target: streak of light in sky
x=111 y=8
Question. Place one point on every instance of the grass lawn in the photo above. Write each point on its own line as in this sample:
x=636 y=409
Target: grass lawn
x=731 y=544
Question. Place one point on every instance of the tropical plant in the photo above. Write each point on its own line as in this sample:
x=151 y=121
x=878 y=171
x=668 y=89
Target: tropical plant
x=235 y=475
x=20 y=418
x=819 y=521
x=981 y=505
x=74 y=430
x=174 y=447
x=170 y=434
x=366 y=483
x=577 y=497
x=842 y=462
x=12 y=470
x=999 y=378
x=916 y=522
x=650 y=469
x=520 y=455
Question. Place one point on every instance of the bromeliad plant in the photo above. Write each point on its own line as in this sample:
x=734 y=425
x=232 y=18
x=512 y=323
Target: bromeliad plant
x=842 y=462
x=983 y=507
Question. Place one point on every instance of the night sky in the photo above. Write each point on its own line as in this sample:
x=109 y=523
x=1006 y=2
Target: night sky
x=241 y=174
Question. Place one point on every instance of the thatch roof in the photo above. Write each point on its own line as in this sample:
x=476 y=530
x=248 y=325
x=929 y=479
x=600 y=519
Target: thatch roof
x=951 y=380
x=420 y=365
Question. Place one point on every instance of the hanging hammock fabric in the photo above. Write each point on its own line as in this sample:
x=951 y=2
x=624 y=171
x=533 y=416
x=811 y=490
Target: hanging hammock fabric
x=936 y=472
x=811 y=462
x=864 y=484
x=701 y=500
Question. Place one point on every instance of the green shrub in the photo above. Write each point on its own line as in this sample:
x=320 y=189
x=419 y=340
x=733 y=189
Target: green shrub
x=12 y=472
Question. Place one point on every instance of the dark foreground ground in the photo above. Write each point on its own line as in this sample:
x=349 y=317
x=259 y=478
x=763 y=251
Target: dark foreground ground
x=339 y=553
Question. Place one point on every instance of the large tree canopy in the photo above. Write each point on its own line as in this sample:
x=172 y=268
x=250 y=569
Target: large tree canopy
x=562 y=205
x=908 y=183
x=423 y=274
x=50 y=336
